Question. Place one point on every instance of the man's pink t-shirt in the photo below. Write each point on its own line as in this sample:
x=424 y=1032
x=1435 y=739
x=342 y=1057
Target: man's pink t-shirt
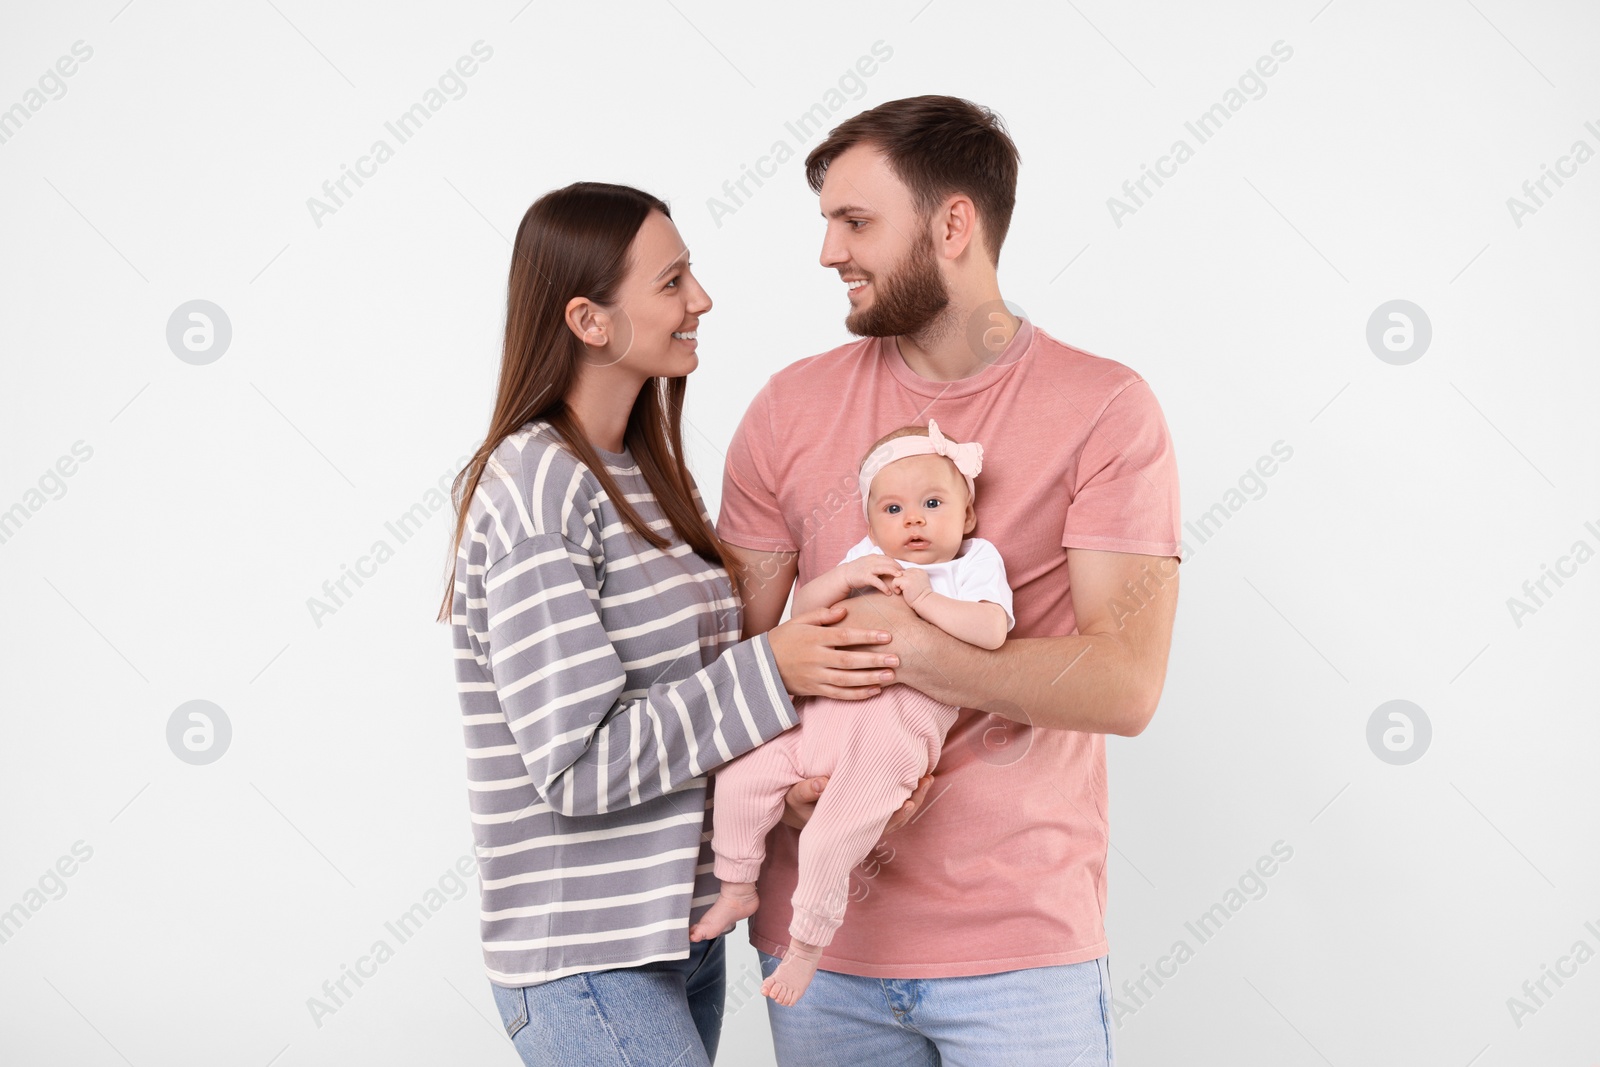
x=1005 y=866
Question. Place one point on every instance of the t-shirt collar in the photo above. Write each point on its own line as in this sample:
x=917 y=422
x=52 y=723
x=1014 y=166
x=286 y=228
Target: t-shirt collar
x=1015 y=352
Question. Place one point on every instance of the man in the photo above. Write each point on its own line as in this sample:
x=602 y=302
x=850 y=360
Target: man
x=975 y=935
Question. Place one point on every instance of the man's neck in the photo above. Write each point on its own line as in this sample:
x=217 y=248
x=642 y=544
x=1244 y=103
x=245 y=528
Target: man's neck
x=968 y=337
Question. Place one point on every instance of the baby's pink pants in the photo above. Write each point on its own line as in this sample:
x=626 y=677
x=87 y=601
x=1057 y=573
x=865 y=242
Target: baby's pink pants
x=873 y=752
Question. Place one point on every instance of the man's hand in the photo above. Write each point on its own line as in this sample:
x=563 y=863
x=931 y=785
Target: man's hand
x=802 y=801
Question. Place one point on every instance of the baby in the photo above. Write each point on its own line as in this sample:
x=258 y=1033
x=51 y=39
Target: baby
x=917 y=489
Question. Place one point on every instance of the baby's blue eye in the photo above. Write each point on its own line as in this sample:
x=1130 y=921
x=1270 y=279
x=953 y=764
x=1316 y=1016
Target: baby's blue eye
x=933 y=500
x=891 y=508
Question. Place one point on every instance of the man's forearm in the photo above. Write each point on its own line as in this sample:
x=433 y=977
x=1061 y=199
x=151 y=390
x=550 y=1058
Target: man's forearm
x=1074 y=682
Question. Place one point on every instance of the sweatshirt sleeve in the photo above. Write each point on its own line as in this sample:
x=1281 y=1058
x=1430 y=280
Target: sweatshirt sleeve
x=589 y=746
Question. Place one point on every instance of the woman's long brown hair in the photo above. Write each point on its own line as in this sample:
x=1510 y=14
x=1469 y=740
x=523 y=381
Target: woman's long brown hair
x=574 y=242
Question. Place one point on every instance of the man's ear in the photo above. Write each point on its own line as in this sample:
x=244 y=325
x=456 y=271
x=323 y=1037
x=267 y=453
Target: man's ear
x=588 y=321
x=955 y=226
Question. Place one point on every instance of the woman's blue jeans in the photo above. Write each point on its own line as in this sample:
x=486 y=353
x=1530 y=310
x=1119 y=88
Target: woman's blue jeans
x=668 y=1011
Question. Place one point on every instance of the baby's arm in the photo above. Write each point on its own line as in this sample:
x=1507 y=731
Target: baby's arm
x=977 y=622
x=828 y=589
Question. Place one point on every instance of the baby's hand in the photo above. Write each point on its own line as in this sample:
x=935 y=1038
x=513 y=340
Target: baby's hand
x=870 y=571
x=912 y=583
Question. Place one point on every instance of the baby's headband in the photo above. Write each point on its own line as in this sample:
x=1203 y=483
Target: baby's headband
x=967 y=457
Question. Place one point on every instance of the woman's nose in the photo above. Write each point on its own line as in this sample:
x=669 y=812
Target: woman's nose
x=700 y=301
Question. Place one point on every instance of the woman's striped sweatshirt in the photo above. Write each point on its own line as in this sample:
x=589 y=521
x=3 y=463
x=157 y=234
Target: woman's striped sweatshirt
x=600 y=679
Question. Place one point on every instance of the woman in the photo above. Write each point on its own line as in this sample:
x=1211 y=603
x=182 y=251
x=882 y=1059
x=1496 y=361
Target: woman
x=597 y=647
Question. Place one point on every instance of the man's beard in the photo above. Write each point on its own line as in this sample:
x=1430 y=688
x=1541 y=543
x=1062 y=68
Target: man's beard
x=907 y=301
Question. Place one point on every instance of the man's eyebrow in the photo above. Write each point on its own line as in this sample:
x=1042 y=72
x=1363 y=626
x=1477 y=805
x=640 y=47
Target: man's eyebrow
x=848 y=209
x=669 y=266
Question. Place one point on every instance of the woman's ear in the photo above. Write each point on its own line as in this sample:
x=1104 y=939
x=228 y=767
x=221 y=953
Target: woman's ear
x=588 y=321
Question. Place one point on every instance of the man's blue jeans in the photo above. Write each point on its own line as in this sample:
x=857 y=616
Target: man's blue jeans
x=1060 y=1016
x=669 y=1011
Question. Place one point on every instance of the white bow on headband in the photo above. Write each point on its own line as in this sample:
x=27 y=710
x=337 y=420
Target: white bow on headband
x=968 y=457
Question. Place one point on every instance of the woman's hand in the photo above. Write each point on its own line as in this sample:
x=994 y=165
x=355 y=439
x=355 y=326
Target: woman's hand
x=812 y=660
x=801 y=801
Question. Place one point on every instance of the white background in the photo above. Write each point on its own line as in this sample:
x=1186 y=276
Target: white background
x=179 y=560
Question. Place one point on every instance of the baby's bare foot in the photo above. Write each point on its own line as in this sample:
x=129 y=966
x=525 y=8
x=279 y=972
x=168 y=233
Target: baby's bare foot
x=738 y=900
x=789 y=982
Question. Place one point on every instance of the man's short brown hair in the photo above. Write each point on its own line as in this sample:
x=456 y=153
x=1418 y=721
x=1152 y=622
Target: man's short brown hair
x=937 y=146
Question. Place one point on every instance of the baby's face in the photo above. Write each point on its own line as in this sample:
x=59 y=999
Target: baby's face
x=918 y=510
